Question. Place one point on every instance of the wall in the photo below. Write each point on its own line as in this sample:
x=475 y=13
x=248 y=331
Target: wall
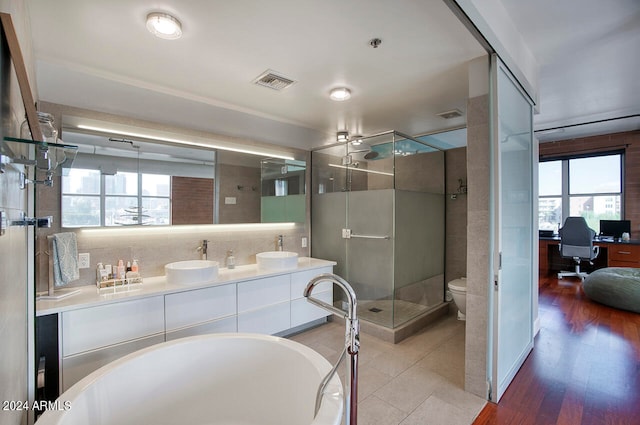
x=630 y=142
x=191 y=200
x=16 y=296
x=456 y=216
x=243 y=184
x=478 y=245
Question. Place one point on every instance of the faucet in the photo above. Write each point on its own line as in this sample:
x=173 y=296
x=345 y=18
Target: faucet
x=280 y=243
x=203 y=248
x=352 y=344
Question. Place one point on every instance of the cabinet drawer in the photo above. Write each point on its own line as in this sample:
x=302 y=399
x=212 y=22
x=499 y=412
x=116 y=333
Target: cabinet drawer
x=300 y=280
x=198 y=306
x=259 y=293
x=94 y=327
x=302 y=311
x=621 y=252
x=76 y=367
x=269 y=320
x=227 y=324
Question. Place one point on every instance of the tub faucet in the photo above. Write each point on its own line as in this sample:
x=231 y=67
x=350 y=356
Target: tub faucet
x=280 y=243
x=203 y=248
x=352 y=343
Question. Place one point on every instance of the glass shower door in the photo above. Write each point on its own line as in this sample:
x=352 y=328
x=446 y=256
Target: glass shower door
x=369 y=235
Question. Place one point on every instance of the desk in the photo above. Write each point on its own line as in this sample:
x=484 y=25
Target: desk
x=612 y=254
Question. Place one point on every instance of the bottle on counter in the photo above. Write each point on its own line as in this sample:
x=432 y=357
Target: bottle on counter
x=231 y=260
x=121 y=270
x=134 y=267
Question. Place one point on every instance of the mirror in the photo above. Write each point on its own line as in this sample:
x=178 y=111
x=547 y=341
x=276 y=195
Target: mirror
x=121 y=181
x=283 y=190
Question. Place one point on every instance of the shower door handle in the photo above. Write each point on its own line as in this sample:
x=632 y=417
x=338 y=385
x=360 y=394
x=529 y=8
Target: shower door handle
x=348 y=234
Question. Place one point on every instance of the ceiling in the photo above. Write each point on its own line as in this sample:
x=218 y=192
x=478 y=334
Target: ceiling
x=98 y=55
x=589 y=55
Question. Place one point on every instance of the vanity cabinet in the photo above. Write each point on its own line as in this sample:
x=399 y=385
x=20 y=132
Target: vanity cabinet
x=200 y=311
x=301 y=310
x=264 y=305
x=97 y=331
x=94 y=336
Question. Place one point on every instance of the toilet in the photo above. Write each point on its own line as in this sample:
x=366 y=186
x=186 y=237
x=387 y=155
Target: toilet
x=458 y=289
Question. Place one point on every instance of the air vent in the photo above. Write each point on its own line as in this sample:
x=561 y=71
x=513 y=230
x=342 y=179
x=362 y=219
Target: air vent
x=454 y=113
x=273 y=80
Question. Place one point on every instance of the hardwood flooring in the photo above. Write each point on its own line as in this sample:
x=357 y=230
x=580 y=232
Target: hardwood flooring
x=584 y=368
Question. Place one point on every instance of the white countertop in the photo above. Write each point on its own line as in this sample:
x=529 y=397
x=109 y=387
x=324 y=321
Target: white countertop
x=90 y=296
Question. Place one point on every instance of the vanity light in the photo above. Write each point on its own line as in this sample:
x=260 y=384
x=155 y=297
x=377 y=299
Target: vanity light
x=183 y=142
x=163 y=25
x=342 y=136
x=339 y=94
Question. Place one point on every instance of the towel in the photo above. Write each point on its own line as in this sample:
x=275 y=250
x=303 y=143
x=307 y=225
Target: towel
x=65 y=258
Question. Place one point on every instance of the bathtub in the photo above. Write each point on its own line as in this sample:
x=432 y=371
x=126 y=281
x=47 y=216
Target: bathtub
x=226 y=379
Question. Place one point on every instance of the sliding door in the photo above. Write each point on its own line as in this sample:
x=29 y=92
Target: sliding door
x=512 y=293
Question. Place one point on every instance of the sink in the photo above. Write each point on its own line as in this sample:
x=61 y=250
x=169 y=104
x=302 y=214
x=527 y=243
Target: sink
x=277 y=260
x=191 y=272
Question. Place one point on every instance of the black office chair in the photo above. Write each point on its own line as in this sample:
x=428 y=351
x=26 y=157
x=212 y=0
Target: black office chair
x=576 y=241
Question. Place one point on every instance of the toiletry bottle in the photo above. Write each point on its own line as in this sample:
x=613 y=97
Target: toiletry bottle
x=134 y=266
x=99 y=272
x=128 y=266
x=109 y=271
x=231 y=260
x=121 y=269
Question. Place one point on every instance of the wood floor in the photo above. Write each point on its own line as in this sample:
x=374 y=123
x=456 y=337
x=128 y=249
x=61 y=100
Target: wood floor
x=584 y=368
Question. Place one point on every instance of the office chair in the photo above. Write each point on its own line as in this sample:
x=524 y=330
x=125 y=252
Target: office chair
x=576 y=241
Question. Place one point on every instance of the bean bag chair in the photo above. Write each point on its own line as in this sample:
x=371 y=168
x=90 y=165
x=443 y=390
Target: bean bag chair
x=617 y=287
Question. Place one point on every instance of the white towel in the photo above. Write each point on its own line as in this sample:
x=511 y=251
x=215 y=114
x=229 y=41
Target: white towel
x=65 y=258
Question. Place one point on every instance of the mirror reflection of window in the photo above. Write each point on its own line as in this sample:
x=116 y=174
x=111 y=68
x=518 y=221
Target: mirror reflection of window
x=281 y=187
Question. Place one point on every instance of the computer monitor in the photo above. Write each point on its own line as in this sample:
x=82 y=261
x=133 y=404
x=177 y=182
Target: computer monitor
x=614 y=228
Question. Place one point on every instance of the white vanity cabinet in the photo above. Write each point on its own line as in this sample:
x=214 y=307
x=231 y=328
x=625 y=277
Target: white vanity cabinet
x=200 y=311
x=264 y=305
x=301 y=310
x=94 y=336
x=95 y=330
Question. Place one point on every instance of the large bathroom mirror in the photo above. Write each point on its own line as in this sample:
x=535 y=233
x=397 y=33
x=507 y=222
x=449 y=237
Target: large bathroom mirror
x=123 y=181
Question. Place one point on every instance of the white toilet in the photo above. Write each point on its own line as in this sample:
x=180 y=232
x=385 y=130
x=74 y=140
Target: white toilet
x=458 y=289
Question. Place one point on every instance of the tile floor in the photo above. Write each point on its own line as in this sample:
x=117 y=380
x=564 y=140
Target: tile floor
x=415 y=382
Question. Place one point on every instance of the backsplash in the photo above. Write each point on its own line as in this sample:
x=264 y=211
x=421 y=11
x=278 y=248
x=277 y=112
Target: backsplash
x=155 y=248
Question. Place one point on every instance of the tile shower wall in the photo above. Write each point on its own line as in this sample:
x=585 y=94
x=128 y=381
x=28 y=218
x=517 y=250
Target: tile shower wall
x=456 y=207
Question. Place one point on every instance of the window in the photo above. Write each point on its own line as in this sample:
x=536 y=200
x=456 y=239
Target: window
x=90 y=198
x=590 y=187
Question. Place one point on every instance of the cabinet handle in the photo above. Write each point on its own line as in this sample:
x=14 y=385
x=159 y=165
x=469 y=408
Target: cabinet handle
x=624 y=252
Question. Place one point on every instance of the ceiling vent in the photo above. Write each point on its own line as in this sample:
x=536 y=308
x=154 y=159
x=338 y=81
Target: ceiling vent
x=454 y=113
x=273 y=80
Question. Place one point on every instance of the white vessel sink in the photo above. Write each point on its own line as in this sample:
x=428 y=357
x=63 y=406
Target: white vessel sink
x=191 y=272
x=277 y=260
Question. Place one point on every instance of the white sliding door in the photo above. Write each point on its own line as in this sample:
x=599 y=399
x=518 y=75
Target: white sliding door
x=512 y=294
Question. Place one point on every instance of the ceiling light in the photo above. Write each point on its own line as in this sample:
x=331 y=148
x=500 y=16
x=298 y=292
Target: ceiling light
x=342 y=136
x=340 y=93
x=163 y=25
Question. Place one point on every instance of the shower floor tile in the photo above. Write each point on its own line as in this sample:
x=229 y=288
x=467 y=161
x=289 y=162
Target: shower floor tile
x=386 y=312
x=419 y=380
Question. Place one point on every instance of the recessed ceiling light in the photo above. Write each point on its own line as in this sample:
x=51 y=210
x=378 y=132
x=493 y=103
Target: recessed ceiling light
x=163 y=25
x=342 y=136
x=340 y=93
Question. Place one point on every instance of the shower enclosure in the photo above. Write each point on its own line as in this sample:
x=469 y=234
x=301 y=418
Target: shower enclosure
x=378 y=210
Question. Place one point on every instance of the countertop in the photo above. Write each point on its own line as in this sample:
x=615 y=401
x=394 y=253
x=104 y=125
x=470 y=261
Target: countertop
x=90 y=296
x=596 y=240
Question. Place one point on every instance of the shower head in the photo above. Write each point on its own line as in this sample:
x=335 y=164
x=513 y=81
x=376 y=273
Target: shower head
x=371 y=155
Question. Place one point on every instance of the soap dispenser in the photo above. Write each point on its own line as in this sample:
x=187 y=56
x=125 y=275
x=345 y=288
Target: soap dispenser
x=231 y=260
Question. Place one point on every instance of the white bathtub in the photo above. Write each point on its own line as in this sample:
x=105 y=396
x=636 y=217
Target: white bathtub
x=226 y=379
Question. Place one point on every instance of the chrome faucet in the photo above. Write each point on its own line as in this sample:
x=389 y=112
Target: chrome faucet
x=280 y=243
x=352 y=344
x=203 y=249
